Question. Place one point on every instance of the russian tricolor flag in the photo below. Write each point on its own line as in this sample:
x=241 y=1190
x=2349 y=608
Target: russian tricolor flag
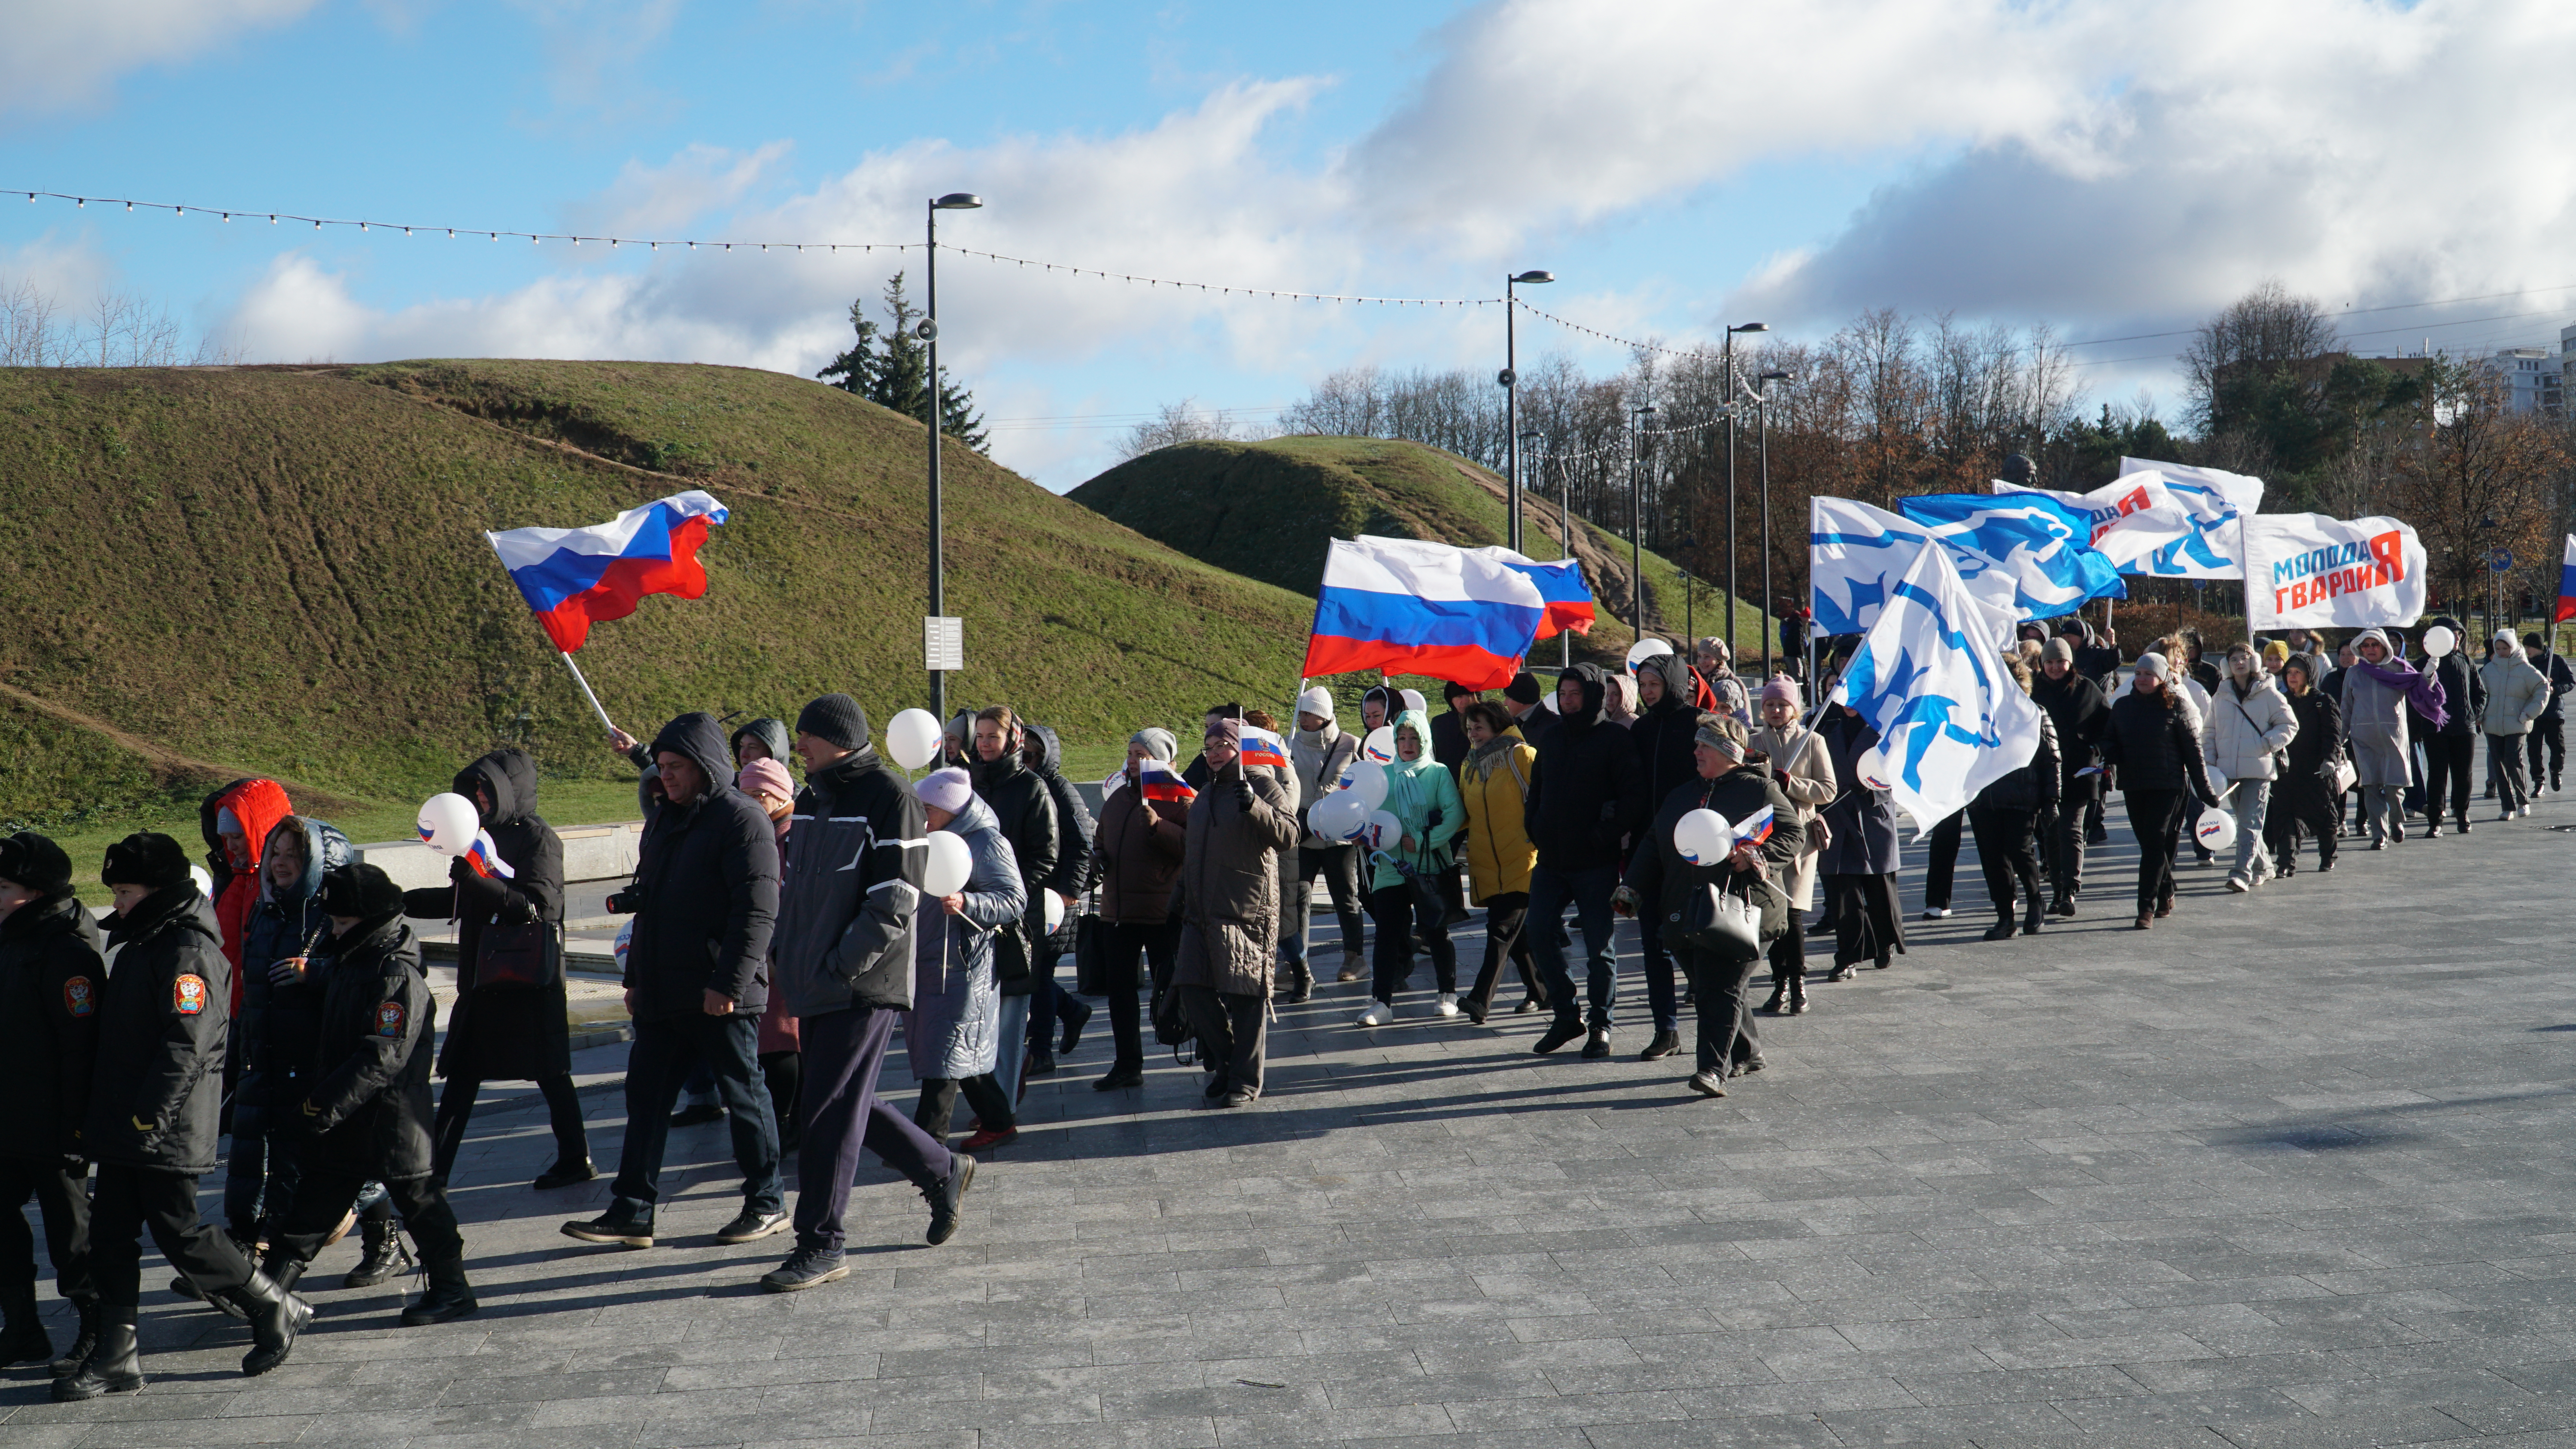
x=2566 y=584
x=576 y=577
x=1261 y=747
x=1560 y=584
x=1757 y=826
x=1402 y=606
x=1160 y=784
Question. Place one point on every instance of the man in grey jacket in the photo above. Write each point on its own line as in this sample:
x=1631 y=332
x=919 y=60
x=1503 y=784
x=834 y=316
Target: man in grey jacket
x=856 y=848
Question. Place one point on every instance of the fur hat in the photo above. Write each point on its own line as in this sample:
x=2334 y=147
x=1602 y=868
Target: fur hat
x=152 y=861
x=38 y=864
x=359 y=892
x=947 y=790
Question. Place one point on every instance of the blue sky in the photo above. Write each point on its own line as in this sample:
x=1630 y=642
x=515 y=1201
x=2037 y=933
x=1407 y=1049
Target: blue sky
x=2102 y=169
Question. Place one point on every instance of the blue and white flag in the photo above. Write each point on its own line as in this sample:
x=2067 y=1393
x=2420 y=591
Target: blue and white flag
x=2042 y=545
x=1929 y=677
x=1856 y=553
x=2147 y=523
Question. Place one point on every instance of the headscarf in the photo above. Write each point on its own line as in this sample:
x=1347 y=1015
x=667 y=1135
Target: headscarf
x=1621 y=706
x=2423 y=692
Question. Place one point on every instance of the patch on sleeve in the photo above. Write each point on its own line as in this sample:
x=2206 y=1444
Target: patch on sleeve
x=389 y=1019
x=80 y=998
x=188 y=994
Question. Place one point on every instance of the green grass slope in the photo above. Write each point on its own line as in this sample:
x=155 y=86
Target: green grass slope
x=281 y=570
x=1268 y=510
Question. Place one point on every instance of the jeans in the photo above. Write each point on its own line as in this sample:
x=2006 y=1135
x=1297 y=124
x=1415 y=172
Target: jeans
x=1013 y=1025
x=2156 y=817
x=2446 y=776
x=841 y=1112
x=1588 y=891
x=657 y=1062
x=2251 y=800
x=1944 y=862
x=1339 y=865
x=1121 y=942
x=2504 y=768
x=1398 y=911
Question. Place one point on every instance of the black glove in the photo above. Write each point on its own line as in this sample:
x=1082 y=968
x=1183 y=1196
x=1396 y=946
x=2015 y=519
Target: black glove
x=1433 y=819
x=1243 y=793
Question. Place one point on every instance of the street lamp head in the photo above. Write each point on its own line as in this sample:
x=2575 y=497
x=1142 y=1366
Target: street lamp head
x=1752 y=327
x=957 y=201
x=1533 y=278
x=1777 y=377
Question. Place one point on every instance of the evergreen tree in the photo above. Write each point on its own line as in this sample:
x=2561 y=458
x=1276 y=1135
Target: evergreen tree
x=888 y=365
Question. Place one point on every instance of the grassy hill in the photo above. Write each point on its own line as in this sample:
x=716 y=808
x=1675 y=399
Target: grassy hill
x=1267 y=510
x=210 y=572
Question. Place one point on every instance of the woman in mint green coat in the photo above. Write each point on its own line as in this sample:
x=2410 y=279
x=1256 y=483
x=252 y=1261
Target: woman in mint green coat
x=1404 y=893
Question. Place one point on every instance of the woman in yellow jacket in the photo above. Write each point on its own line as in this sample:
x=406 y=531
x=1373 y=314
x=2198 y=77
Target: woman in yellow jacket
x=1493 y=781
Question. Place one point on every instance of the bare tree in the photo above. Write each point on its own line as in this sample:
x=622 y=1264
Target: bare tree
x=1177 y=423
x=2260 y=333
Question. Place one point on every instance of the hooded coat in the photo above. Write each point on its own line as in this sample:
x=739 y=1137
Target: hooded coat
x=156 y=1095
x=2376 y=720
x=2515 y=693
x=1424 y=797
x=1584 y=794
x=1493 y=786
x=2155 y=745
x=507 y=1033
x=2464 y=693
x=278 y=1022
x=954 y=1029
x=849 y=888
x=2245 y=728
x=708 y=872
x=1861 y=820
x=1074 y=867
x=1319 y=758
x=369 y=1097
x=258 y=805
x=772 y=735
x=52 y=978
x=1663 y=732
x=1025 y=814
x=2320 y=733
x=1229 y=884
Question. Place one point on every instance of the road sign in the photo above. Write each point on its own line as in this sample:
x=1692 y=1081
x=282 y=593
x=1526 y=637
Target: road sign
x=943 y=643
x=2500 y=561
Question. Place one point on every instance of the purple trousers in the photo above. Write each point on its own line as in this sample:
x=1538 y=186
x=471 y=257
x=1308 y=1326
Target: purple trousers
x=838 y=1111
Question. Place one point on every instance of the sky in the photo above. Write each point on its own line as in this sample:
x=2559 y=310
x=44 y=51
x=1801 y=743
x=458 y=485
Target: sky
x=2114 y=170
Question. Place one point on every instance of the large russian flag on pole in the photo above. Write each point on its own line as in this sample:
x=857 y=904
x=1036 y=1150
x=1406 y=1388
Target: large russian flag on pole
x=2566 y=584
x=1560 y=584
x=576 y=577
x=1403 y=606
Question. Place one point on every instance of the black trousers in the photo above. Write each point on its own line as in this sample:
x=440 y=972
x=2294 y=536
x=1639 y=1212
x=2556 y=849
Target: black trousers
x=2302 y=803
x=1944 y=863
x=1506 y=916
x=2446 y=775
x=2005 y=849
x=1121 y=944
x=323 y=1196
x=2077 y=801
x=785 y=1074
x=938 y=1105
x=1789 y=953
x=1867 y=920
x=1725 y=1024
x=2549 y=730
x=456 y=1108
x=659 y=1058
x=1399 y=911
x=1233 y=1028
x=2156 y=818
x=130 y=1201
x=63 y=1197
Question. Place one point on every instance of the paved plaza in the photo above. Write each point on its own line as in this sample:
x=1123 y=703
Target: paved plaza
x=2291 y=1169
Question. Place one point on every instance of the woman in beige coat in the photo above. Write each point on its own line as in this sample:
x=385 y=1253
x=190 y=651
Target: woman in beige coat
x=1804 y=769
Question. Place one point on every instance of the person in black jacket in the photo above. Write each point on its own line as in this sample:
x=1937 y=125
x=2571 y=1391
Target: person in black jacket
x=2157 y=752
x=1583 y=799
x=2550 y=730
x=1734 y=781
x=2004 y=816
x=2079 y=714
x=2097 y=658
x=155 y=1097
x=1449 y=726
x=705 y=897
x=508 y=1033
x=1049 y=1007
x=51 y=978
x=848 y=901
x=1526 y=698
x=1020 y=802
x=1666 y=761
x=366 y=1102
x=2304 y=798
x=2450 y=746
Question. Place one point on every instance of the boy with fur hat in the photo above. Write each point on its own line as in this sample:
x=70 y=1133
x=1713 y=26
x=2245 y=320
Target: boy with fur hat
x=50 y=979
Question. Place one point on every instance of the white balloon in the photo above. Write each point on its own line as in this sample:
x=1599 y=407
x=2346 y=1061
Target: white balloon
x=2439 y=640
x=912 y=738
x=1338 y=816
x=949 y=866
x=1550 y=701
x=2217 y=830
x=1703 y=837
x=1054 y=911
x=1368 y=781
x=1645 y=649
x=448 y=824
x=1379 y=746
x=205 y=882
x=1383 y=832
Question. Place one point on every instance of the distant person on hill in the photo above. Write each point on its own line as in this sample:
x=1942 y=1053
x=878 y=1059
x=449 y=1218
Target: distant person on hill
x=51 y=980
x=1321 y=754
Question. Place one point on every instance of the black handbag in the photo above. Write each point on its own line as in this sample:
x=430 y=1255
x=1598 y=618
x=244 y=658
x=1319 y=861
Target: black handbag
x=1011 y=960
x=519 y=958
x=1090 y=976
x=1723 y=924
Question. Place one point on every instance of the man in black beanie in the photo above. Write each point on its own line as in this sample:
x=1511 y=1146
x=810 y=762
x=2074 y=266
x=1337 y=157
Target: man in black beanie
x=50 y=979
x=154 y=1101
x=1527 y=703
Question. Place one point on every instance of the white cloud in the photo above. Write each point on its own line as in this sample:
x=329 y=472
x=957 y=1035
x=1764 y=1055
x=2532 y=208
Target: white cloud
x=65 y=52
x=659 y=201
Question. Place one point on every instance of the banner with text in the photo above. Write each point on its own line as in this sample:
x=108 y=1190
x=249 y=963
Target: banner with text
x=2310 y=570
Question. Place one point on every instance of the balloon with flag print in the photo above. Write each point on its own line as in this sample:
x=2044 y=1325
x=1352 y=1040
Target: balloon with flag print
x=448 y=824
x=1382 y=832
x=1645 y=649
x=1367 y=780
x=2216 y=830
x=1054 y=911
x=1380 y=745
x=1702 y=837
x=912 y=738
x=1338 y=816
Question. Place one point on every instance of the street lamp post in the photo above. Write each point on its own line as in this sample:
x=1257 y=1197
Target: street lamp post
x=1636 y=515
x=929 y=331
x=1731 y=388
x=1768 y=598
x=1511 y=381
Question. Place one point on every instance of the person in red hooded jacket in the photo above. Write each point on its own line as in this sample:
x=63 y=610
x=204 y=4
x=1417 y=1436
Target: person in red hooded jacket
x=236 y=821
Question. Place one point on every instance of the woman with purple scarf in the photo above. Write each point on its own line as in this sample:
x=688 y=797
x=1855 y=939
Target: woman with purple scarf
x=2376 y=692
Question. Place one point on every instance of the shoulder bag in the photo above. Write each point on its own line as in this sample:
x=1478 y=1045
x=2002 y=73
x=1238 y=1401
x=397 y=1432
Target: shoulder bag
x=1722 y=923
x=517 y=958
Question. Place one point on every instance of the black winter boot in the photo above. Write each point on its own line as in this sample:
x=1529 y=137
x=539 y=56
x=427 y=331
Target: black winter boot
x=385 y=1256
x=84 y=1343
x=114 y=1369
x=2032 y=914
x=1798 y=995
x=276 y=1315
x=449 y=1295
x=1779 y=996
x=23 y=1340
x=1299 y=985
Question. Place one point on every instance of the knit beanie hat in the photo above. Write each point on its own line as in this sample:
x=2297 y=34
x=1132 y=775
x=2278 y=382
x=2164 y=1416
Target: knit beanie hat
x=1784 y=689
x=38 y=864
x=152 y=861
x=2533 y=641
x=1524 y=689
x=766 y=778
x=359 y=891
x=947 y=790
x=1160 y=744
x=2057 y=649
x=836 y=720
x=1229 y=730
x=1316 y=701
x=2152 y=663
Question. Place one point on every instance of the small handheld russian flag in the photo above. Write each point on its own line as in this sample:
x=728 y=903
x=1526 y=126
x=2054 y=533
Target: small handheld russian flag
x=1261 y=747
x=1161 y=784
x=486 y=859
x=1756 y=827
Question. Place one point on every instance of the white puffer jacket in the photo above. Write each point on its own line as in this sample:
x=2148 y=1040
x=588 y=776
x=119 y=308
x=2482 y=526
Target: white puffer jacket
x=2239 y=733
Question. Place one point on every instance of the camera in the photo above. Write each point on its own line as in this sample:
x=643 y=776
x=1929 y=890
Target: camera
x=626 y=902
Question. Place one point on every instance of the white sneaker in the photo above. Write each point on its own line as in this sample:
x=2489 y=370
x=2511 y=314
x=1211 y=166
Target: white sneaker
x=2238 y=884
x=1936 y=913
x=1448 y=1003
x=2526 y=810
x=1378 y=1014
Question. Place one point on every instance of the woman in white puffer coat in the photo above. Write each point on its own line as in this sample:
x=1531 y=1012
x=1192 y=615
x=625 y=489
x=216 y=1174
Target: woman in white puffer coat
x=2247 y=722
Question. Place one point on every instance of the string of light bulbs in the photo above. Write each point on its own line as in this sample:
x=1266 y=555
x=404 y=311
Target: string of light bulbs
x=1562 y=459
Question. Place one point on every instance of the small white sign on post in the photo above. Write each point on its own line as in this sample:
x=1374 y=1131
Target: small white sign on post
x=943 y=643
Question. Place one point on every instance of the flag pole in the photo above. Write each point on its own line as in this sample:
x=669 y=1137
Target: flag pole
x=585 y=691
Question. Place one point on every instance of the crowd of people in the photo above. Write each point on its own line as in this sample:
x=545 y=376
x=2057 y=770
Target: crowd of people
x=782 y=939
